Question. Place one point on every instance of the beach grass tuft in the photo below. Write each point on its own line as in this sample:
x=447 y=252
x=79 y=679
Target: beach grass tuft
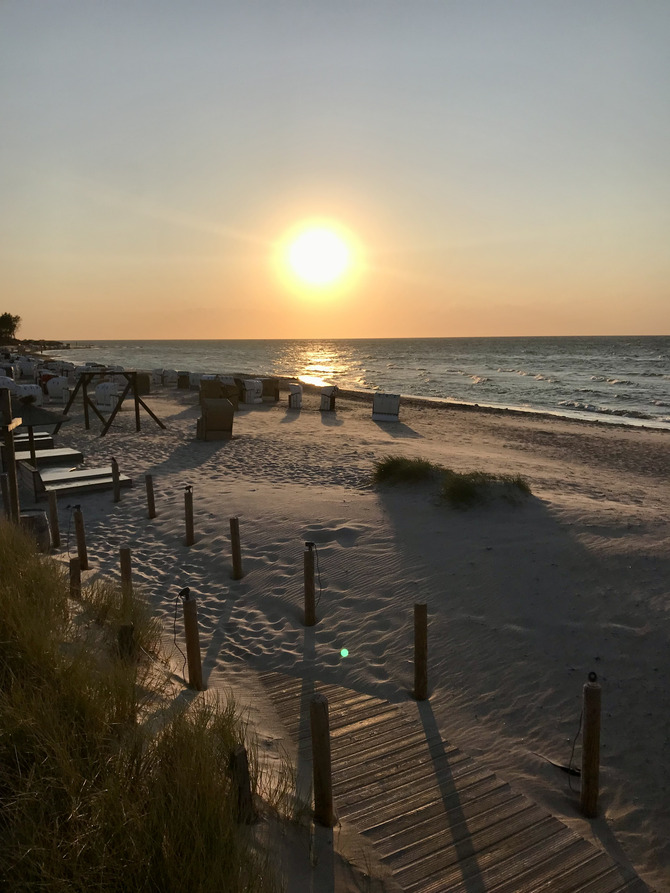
x=457 y=488
x=105 y=785
x=401 y=470
x=463 y=490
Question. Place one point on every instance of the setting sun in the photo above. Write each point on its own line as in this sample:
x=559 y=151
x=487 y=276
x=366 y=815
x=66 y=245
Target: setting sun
x=318 y=255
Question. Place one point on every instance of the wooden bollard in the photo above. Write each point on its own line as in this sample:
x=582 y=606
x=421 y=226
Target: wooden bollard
x=53 y=520
x=116 y=481
x=81 y=539
x=75 y=579
x=126 y=572
x=10 y=457
x=188 y=516
x=192 y=640
x=324 y=813
x=591 y=748
x=310 y=606
x=236 y=549
x=239 y=771
x=151 y=503
x=420 y=652
x=6 y=501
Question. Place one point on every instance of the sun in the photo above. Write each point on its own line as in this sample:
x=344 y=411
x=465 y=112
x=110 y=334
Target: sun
x=318 y=255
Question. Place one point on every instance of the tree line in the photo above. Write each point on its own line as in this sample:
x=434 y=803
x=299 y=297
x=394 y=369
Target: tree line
x=9 y=326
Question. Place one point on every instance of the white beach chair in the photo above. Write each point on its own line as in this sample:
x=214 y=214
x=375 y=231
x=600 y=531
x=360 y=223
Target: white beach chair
x=295 y=396
x=58 y=389
x=385 y=407
x=30 y=390
x=328 y=398
x=107 y=395
x=252 y=391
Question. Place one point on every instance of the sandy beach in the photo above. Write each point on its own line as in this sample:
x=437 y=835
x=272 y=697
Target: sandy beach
x=523 y=600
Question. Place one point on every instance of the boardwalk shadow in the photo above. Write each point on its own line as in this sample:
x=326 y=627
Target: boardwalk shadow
x=467 y=858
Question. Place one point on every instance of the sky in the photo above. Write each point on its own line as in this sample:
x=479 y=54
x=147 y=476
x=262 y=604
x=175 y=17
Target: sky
x=495 y=167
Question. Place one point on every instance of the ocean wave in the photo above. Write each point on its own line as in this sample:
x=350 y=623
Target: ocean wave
x=478 y=379
x=601 y=410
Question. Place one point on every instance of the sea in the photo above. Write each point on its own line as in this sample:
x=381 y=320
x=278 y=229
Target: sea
x=611 y=379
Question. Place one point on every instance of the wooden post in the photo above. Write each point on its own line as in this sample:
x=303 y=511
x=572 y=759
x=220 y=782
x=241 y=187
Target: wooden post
x=591 y=748
x=192 y=640
x=188 y=512
x=116 y=482
x=75 y=579
x=238 y=573
x=420 y=652
x=151 y=504
x=10 y=457
x=53 y=520
x=310 y=607
x=126 y=574
x=84 y=391
x=6 y=502
x=239 y=771
x=81 y=539
x=321 y=765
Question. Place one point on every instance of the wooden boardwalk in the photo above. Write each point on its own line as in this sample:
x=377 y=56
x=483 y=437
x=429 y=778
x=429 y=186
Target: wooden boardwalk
x=440 y=822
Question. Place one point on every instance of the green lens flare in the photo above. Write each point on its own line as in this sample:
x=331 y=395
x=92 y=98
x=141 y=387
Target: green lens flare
x=344 y=652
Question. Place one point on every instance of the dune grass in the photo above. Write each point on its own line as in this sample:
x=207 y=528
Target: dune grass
x=400 y=470
x=95 y=793
x=479 y=486
x=457 y=488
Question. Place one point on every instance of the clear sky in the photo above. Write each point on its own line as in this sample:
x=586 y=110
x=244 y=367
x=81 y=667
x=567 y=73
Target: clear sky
x=498 y=167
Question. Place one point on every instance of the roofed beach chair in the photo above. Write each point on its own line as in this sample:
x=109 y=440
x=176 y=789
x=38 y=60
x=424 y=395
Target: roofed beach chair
x=385 y=407
x=328 y=398
x=295 y=396
x=216 y=422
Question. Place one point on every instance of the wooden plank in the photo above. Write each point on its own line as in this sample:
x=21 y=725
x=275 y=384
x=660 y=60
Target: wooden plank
x=475 y=815
x=91 y=485
x=389 y=827
x=549 y=873
x=60 y=456
x=380 y=762
x=414 y=863
x=411 y=793
x=500 y=849
x=42 y=439
x=406 y=768
x=57 y=474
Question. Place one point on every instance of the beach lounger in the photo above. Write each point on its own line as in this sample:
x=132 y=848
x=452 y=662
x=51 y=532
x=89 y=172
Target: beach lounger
x=54 y=456
x=69 y=480
x=43 y=440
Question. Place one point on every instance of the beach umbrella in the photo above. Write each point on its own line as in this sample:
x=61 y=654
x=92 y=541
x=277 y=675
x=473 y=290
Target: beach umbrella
x=35 y=417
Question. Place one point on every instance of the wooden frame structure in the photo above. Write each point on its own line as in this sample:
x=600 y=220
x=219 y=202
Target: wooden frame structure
x=85 y=380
